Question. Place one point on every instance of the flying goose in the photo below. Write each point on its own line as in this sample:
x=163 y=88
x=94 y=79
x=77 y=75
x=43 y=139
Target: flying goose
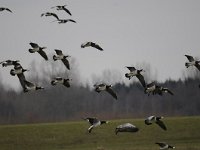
x=28 y=86
x=192 y=62
x=18 y=69
x=62 y=8
x=94 y=122
x=65 y=20
x=164 y=145
x=104 y=87
x=153 y=119
x=159 y=90
x=137 y=73
x=127 y=127
x=49 y=14
x=4 y=8
x=37 y=48
x=92 y=44
x=9 y=63
x=150 y=88
x=62 y=57
x=59 y=80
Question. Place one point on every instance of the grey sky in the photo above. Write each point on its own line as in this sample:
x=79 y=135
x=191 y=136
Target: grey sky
x=157 y=32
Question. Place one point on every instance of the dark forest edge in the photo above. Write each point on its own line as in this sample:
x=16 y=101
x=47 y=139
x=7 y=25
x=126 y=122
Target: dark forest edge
x=61 y=104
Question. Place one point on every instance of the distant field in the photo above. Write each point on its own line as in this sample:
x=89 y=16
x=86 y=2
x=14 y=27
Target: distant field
x=183 y=132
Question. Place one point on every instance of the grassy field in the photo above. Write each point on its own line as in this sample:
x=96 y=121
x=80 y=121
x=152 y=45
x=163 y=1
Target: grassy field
x=183 y=132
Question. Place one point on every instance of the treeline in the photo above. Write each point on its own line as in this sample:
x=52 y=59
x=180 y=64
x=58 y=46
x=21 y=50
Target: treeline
x=60 y=103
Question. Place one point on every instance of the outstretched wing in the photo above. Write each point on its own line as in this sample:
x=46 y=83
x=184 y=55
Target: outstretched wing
x=2 y=62
x=161 y=144
x=66 y=83
x=198 y=66
x=92 y=120
x=58 y=52
x=131 y=68
x=109 y=90
x=22 y=79
x=43 y=54
x=161 y=124
x=96 y=46
x=29 y=84
x=8 y=10
x=190 y=58
x=65 y=9
x=141 y=79
x=72 y=20
x=34 y=45
x=151 y=84
x=53 y=14
x=168 y=91
x=66 y=63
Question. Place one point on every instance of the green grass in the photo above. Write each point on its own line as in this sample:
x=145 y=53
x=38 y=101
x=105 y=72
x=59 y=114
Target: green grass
x=183 y=132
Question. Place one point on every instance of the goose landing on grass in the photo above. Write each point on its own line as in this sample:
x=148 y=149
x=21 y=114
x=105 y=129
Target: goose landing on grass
x=127 y=127
x=153 y=119
x=94 y=122
x=164 y=145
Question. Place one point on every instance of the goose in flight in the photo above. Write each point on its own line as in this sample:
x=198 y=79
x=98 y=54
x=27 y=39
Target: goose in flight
x=150 y=88
x=37 y=48
x=192 y=62
x=63 y=7
x=154 y=119
x=62 y=57
x=94 y=122
x=127 y=127
x=164 y=145
x=18 y=69
x=59 y=80
x=4 y=8
x=61 y=21
x=29 y=86
x=9 y=63
x=104 y=87
x=159 y=90
x=137 y=73
x=92 y=44
x=49 y=14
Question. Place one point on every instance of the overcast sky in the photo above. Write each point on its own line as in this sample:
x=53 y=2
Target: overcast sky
x=131 y=32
